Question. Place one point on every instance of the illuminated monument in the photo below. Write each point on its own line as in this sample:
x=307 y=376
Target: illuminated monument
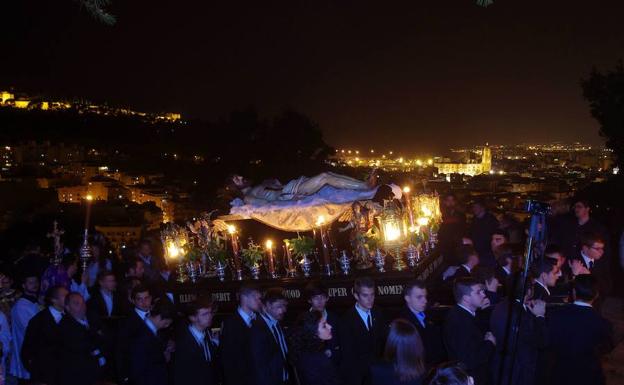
x=471 y=169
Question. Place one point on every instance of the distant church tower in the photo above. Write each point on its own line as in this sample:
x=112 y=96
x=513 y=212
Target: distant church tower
x=486 y=159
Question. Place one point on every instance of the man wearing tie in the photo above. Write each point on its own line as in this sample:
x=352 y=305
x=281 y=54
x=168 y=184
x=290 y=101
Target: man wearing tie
x=195 y=361
x=464 y=339
x=41 y=348
x=142 y=303
x=235 y=337
x=415 y=295
x=592 y=259
x=268 y=343
x=579 y=337
x=362 y=334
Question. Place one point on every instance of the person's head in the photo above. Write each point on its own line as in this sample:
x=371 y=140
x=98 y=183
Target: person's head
x=6 y=282
x=499 y=238
x=478 y=208
x=136 y=268
x=309 y=334
x=486 y=276
x=317 y=296
x=546 y=271
x=585 y=288
x=315 y=324
x=450 y=374
x=449 y=201
x=415 y=295
x=70 y=263
x=145 y=248
x=141 y=298
x=274 y=303
x=582 y=209
x=468 y=256
x=364 y=292
x=55 y=297
x=250 y=298
x=31 y=285
x=200 y=313
x=162 y=315
x=504 y=256
x=554 y=252
x=107 y=281
x=75 y=305
x=405 y=350
x=592 y=245
x=469 y=293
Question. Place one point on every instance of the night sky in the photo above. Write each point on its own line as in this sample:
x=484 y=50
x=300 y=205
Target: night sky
x=412 y=76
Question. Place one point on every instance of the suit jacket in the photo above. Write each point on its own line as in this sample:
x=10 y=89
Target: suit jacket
x=147 y=360
x=315 y=368
x=382 y=373
x=602 y=272
x=128 y=331
x=98 y=317
x=40 y=351
x=540 y=293
x=579 y=337
x=465 y=342
x=79 y=353
x=190 y=365
x=431 y=336
x=235 y=351
x=481 y=230
x=531 y=342
x=267 y=362
x=359 y=347
x=461 y=272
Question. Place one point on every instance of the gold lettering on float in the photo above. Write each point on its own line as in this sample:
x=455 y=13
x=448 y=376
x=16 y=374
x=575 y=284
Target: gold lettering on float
x=186 y=298
x=390 y=290
x=337 y=291
x=221 y=297
x=292 y=293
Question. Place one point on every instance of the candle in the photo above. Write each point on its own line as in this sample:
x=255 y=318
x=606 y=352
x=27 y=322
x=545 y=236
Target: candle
x=89 y=199
x=320 y=221
x=269 y=248
x=235 y=247
x=289 y=260
x=408 y=205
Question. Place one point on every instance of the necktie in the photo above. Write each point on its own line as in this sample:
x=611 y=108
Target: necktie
x=421 y=318
x=206 y=346
x=282 y=344
x=369 y=322
x=591 y=265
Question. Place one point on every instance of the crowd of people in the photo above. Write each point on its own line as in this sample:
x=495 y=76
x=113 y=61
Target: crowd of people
x=113 y=324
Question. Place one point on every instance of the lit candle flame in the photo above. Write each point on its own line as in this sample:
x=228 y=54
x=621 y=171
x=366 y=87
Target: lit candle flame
x=172 y=250
x=89 y=197
x=423 y=221
x=320 y=221
x=269 y=244
x=231 y=229
x=406 y=189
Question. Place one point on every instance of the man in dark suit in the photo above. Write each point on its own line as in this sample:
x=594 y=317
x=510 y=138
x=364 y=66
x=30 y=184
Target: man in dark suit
x=144 y=253
x=81 y=358
x=546 y=274
x=103 y=312
x=452 y=228
x=317 y=297
x=579 y=337
x=521 y=368
x=483 y=225
x=235 y=337
x=463 y=338
x=149 y=352
x=128 y=329
x=415 y=295
x=40 y=351
x=362 y=334
x=563 y=285
x=269 y=352
x=469 y=260
x=592 y=260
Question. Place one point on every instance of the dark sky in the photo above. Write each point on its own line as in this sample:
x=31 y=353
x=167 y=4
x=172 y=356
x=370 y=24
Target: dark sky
x=405 y=75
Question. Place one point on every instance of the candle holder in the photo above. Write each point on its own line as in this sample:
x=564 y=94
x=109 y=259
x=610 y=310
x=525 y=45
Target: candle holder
x=220 y=269
x=176 y=244
x=85 y=252
x=192 y=271
x=413 y=256
x=380 y=261
x=345 y=263
x=236 y=257
x=255 y=271
x=399 y=264
x=306 y=265
x=271 y=260
x=326 y=268
x=291 y=270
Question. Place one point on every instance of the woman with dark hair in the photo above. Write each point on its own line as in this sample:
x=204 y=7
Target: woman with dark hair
x=307 y=347
x=450 y=374
x=404 y=358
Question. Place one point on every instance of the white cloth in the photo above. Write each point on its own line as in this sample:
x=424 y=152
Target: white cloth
x=246 y=317
x=22 y=312
x=5 y=339
x=141 y=313
x=581 y=303
x=364 y=315
x=302 y=214
x=57 y=315
x=472 y=313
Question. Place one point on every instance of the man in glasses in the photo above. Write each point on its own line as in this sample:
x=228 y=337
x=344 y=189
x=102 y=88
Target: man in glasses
x=591 y=260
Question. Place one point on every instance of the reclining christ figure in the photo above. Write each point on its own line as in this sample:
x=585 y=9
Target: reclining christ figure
x=272 y=190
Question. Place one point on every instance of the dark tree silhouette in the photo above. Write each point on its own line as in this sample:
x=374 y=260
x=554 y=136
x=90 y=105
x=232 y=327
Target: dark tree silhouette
x=605 y=93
